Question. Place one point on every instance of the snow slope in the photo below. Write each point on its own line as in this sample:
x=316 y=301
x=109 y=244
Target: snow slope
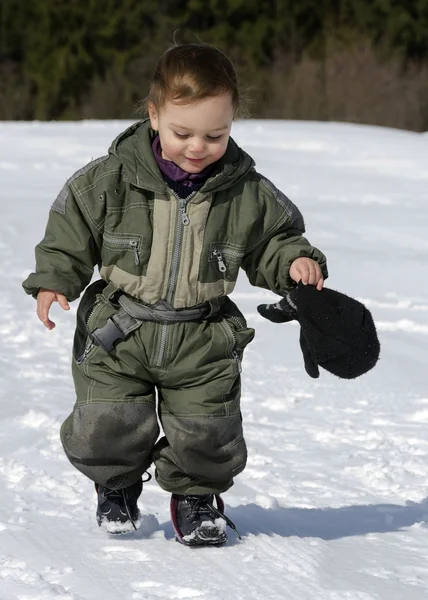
x=333 y=504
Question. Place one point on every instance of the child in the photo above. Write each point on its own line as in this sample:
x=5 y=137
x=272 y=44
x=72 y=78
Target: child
x=169 y=216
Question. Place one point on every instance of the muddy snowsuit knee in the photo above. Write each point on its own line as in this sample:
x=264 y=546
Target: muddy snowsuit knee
x=118 y=213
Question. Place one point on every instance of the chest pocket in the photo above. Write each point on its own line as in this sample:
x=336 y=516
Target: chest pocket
x=128 y=229
x=224 y=260
x=123 y=250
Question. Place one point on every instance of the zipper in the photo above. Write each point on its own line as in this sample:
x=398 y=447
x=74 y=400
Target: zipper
x=89 y=343
x=234 y=353
x=219 y=256
x=236 y=320
x=183 y=205
x=126 y=242
x=234 y=253
x=90 y=311
x=88 y=348
x=162 y=345
x=136 y=248
x=182 y=221
x=184 y=216
x=220 y=260
x=235 y=356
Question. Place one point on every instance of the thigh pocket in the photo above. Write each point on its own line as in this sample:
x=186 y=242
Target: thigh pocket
x=93 y=311
x=236 y=333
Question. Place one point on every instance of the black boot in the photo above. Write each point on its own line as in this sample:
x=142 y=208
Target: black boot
x=197 y=522
x=117 y=510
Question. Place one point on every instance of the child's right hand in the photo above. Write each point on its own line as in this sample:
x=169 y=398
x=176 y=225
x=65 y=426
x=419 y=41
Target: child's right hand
x=45 y=298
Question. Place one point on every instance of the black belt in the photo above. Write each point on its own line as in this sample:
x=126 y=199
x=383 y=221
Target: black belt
x=132 y=314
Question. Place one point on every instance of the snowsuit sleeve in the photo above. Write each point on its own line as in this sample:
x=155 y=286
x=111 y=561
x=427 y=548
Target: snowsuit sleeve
x=70 y=249
x=276 y=241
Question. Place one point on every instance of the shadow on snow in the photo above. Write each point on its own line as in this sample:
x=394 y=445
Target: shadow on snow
x=327 y=523
x=323 y=523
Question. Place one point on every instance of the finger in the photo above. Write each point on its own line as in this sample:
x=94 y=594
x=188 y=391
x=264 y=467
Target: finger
x=305 y=273
x=315 y=273
x=43 y=313
x=44 y=317
x=312 y=273
x=318 y=275
x=319 y=280
x=62 y=301
x=294 y=273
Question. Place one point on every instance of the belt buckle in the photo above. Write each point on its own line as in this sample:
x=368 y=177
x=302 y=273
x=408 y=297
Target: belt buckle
x=112 y=334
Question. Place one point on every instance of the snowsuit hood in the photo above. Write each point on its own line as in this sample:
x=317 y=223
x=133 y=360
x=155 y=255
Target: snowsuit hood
x=133 y=148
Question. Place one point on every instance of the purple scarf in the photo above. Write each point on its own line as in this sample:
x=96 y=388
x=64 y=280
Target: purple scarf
x=175 y=173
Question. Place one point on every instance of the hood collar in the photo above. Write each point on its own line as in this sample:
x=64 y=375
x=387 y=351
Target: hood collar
x=133 y=148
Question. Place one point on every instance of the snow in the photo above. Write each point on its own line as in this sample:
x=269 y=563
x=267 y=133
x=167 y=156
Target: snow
x=333 y=504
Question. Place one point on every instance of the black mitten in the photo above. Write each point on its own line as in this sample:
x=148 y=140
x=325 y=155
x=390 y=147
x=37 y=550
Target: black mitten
x=337 y=332
x=311 y=366
x=281 y=312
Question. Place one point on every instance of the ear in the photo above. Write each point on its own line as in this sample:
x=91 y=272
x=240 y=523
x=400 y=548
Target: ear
x=153 y=116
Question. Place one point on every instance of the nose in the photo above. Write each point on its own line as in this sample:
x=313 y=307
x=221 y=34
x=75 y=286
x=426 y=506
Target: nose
x=197 y=145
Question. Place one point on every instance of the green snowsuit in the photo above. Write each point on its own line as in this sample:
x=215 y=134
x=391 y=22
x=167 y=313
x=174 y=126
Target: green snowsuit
x=118 y=213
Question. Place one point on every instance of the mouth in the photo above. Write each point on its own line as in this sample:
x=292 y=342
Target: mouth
x=195 y=160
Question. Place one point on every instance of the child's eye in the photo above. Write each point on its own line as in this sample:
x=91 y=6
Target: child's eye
x=213 y=137
x=181 y=136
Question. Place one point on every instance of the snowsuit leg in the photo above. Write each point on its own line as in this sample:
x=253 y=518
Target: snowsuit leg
x=199 y=407
x=111 y=432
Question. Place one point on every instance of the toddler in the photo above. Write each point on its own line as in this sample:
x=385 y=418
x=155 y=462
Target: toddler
x=169 y=215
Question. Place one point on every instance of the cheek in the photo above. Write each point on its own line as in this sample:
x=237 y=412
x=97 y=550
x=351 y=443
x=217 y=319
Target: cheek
x=218 y=150
x=171 y=146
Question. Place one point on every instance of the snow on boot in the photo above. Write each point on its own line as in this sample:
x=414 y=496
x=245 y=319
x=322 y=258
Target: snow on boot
x=117 y=510
x=197 y=522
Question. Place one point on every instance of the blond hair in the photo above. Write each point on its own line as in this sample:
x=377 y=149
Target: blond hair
x=187 y=73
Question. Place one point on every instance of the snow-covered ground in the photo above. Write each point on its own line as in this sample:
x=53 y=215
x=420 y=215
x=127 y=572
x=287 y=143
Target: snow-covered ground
x=333 y=504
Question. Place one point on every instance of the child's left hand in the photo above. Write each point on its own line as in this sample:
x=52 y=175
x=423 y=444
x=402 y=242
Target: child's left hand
x=308 y=271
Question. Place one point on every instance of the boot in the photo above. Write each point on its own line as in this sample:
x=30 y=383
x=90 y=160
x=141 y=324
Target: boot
x=117 y=510
x=197 y=522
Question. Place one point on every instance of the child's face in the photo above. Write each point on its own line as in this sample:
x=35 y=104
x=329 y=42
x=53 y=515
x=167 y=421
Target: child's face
x=194 y=136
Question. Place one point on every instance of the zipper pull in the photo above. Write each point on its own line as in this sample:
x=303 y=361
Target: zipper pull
x=89 y=345
x=184 y=218
x=134 y=245
x=220 y=260
x=238 y=360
